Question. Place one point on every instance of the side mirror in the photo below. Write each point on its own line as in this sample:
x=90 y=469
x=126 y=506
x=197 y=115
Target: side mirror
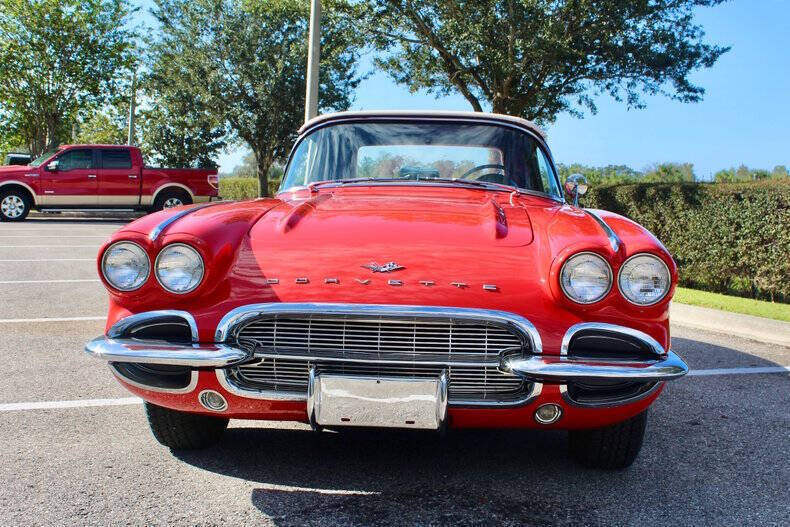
x=52 y=166
x=575 y=186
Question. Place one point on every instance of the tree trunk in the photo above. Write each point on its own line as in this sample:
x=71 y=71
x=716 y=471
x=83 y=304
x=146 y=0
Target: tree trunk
x=264 y=162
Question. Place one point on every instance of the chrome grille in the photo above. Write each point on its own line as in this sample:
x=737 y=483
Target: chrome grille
x=287 y=346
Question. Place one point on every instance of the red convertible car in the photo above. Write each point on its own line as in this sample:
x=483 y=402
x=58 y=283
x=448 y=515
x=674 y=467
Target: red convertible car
x=416 y=270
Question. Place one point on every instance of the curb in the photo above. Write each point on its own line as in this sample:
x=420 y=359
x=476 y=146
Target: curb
x=746 y=326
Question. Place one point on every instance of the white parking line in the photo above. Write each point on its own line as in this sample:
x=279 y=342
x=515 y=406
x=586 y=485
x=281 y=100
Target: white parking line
x=741 y=371
x=52 y=260
x=47 y=281
x=46 y=320
x=79 y=403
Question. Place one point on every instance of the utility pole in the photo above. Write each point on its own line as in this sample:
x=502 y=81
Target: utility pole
x=130 y=138
x=313 y=60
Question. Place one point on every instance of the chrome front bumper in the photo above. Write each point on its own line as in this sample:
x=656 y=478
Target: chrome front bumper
x=152 y=352
x=556 y=370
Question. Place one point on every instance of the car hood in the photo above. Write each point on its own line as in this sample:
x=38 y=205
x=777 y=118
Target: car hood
x=10 y=170
x=446 y=236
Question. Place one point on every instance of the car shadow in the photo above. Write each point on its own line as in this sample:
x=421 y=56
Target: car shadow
x=361 y=477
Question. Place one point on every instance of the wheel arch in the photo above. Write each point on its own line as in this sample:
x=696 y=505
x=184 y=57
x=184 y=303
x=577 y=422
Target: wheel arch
x=19 y=185
x=171 y=186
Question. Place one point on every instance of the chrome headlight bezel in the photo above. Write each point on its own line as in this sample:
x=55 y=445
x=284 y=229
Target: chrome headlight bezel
x=104 y=262
x=159 y=278
x=666 y=269
x=609 y=273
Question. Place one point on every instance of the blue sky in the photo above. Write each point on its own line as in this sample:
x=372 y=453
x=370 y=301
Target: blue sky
x=744 y=118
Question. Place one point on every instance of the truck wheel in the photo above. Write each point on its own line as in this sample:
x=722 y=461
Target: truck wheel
x=14 y=205
x=182 y=430
x=611 y=447
x=171 y=198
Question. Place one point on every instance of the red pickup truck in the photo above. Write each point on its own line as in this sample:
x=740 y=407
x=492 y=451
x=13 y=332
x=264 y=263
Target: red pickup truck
x=99 y=177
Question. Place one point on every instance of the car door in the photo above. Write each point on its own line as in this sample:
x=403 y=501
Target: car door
x=73 y=183
x=119 y=180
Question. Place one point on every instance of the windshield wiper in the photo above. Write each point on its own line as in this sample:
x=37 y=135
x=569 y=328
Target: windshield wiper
x=316 y=184
x=471 y=182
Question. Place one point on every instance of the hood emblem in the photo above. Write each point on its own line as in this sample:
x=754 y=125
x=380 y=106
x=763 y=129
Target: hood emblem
x=386 y=268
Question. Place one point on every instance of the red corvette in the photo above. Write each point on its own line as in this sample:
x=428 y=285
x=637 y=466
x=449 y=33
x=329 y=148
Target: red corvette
x=416 y=270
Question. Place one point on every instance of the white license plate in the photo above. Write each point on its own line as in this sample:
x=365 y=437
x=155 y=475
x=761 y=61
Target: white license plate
x=388 y=402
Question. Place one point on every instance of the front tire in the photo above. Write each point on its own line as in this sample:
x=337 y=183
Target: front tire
x=14 y=205
x=182 y=430
x=611 y=447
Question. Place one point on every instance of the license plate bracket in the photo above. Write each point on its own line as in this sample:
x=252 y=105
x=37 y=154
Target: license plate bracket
x=380 y=402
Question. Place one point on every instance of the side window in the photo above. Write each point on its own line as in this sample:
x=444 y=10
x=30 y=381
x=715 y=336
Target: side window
x=75 y=159
x=118 y=159
x=547 y=174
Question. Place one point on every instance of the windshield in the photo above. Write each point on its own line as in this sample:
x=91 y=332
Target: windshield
x=36 y=162
x=416 y=152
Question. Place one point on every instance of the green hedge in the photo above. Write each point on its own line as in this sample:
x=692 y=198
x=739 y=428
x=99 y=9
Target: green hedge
x=237 y=188
x=727 y=238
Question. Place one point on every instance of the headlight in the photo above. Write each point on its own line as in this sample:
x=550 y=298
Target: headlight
x=179 y=268
x=125 y=266
x=586 y=278
x=644 y=279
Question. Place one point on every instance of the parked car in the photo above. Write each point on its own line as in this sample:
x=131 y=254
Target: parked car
x=17 y=158
x=91 y=177
x=416 y=270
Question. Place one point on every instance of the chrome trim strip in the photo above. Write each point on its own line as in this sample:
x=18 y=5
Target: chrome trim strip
x=608 y=404
x=227 y=383
x=193 y=380
x=563 y=370
x=122 y=326
x=237 y=317
x=657 y=348
x=148 y=352
x=614 y=240
x=374 y=360
x=156 y=231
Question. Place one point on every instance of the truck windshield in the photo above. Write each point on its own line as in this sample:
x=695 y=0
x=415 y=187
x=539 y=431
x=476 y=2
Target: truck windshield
x=37 y=161
x=419 y=152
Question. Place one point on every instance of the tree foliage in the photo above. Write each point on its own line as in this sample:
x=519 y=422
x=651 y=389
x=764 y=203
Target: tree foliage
x=743 y=174
x=246 y=62
x=59 y=59
x=177 y=129
x=538 y=58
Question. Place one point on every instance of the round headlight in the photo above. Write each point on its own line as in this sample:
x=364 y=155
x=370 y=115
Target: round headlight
x=179 y=268
x=644 y=279
x=125 y=266
x=586 y=278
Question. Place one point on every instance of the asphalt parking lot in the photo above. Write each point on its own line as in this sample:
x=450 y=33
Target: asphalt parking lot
x=76 y=447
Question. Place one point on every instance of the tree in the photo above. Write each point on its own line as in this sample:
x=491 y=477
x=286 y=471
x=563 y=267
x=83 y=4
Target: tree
x=106 y=127
x=246 y=62
x=538 y=58
x=59 y=59
x=177 y=129
x=670 y=173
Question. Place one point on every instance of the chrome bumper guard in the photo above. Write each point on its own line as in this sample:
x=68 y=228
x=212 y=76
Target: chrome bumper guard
x=152 y=352
x=559 y=369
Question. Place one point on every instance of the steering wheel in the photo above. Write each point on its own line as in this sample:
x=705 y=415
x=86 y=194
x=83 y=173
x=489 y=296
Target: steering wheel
x=495 y=166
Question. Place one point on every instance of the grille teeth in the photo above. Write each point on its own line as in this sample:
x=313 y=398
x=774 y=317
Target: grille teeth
x=317 y=337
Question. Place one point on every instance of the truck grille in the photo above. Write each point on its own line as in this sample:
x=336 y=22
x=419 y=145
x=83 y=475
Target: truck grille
x=287 y=346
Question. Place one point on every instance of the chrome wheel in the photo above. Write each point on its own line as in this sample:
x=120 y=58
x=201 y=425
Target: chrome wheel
x=172 y=202
x=12 y=207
